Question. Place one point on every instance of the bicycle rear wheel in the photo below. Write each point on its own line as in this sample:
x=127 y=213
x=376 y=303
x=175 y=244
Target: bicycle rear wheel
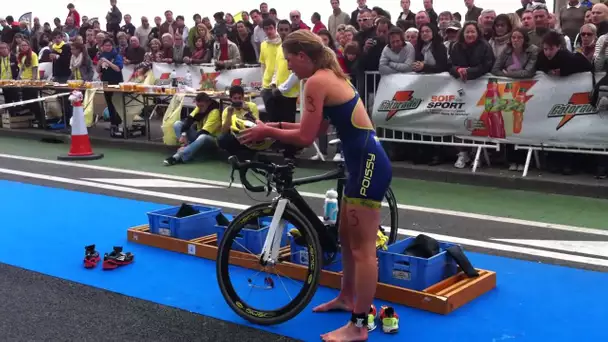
x=393 y=213
x=255 y=313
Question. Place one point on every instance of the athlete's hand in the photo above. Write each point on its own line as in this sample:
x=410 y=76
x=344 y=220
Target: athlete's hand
x=254 y=134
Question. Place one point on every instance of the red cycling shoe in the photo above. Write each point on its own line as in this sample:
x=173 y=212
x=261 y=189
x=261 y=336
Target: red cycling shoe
x=91 y=257
x=116 y=259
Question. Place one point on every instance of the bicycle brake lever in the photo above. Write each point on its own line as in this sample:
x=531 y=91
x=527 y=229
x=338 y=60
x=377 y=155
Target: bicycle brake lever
x=231 y=178
x=268 y=187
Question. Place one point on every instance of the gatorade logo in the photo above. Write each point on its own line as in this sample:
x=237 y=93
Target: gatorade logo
x=577 y=105
x=402 y=100
x=208 y=79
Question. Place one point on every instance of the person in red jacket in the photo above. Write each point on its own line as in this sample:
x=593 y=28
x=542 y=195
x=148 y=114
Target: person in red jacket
x=74 y=14
x=296 y=21
x=316 y=21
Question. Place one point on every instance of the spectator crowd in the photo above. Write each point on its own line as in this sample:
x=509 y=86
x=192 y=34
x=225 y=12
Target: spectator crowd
x=367 y=39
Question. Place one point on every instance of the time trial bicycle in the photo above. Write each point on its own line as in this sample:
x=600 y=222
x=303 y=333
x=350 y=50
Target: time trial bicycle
x=319 y=239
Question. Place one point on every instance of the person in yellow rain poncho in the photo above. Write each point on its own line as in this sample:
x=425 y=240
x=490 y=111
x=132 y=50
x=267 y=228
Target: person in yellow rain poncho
x=198 y=131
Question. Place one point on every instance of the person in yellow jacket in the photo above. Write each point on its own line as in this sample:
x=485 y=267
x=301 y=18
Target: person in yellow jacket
x=285 y=84
x=237 y=111
x=197 y=131
x=285 y=87
x=268 y=58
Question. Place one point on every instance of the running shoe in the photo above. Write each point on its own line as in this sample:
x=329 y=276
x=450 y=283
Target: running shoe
x=389 y=320
x=91 y=257
x=116 y=258
x=371 y=318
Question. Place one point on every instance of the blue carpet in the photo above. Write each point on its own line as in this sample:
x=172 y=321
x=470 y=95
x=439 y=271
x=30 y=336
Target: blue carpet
x=45 y=230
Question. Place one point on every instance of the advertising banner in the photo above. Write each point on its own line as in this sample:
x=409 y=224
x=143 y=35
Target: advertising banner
x=203 y=76
x=545 y=110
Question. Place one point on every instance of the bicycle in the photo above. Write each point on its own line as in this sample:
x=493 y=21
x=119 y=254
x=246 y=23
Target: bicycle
x=320 y=239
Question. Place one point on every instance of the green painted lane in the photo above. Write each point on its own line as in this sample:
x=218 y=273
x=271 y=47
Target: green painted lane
x=526 y=205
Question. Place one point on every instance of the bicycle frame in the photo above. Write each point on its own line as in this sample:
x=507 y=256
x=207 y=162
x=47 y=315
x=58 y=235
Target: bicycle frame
x=289 y=195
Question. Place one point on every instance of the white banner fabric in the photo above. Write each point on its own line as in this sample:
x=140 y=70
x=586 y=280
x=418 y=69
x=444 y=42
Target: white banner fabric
x=203 y=76
x=547 y=110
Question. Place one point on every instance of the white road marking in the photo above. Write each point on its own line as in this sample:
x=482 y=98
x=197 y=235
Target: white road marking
x=510 y=248
x=462 y=214
x=597 y=248
x=150 y=183
x=457 y=240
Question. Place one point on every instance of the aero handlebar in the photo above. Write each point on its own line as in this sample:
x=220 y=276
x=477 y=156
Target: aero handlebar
x=243 y=167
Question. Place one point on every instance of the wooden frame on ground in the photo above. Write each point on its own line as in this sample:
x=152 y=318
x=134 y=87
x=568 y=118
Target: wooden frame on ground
x=442 y=298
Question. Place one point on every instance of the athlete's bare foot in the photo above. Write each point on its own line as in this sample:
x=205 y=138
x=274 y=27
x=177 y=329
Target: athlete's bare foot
x=348 y=333
x=336 y=304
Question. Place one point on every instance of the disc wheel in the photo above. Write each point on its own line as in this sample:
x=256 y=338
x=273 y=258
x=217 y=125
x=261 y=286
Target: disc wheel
x=230 y=250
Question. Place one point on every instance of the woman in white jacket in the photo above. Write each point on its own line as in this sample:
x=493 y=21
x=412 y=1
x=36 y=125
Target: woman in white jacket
x=398 y=56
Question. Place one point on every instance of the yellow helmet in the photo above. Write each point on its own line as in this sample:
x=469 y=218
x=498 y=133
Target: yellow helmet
x=239 y=125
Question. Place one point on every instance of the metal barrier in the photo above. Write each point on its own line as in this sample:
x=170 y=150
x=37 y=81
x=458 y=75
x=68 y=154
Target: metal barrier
x=533 y=149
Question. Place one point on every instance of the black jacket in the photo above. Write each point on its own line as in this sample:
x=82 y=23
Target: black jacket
x=440 y=54
x=602 y=28
x=566 y=62
x=478 y=58
x=8 y=33
x=61 y=66
x=353 y=18
x=370 y=60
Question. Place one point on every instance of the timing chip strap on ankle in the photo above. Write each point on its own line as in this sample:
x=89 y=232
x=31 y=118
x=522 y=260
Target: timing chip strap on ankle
x=359 y=319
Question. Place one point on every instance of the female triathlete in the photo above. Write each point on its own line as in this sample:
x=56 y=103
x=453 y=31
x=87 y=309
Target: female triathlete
x=330 y=98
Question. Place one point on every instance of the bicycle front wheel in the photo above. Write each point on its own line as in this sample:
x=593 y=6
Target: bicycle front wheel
x=254 y=308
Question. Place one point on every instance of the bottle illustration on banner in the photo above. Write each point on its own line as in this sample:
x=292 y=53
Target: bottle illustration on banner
x=519 y=109
x=491 y=98
x=507 y=104
x=496 y=127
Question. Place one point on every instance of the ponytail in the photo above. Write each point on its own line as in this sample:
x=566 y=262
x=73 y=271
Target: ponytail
x=323 y=57
x=329 y=61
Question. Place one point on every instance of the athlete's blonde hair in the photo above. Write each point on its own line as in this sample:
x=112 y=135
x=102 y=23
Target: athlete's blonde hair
x=312 y=46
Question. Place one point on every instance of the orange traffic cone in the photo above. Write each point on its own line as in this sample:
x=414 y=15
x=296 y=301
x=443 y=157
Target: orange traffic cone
x=81 y=145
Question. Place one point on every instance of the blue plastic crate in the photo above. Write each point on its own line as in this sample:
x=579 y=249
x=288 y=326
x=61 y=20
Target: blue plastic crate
x=251 y=240
x=299 y=255
x=414 y=273
x=164 y=222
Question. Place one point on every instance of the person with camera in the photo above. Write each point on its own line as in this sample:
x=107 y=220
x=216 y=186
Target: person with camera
x=232 y=123
x=370 y=57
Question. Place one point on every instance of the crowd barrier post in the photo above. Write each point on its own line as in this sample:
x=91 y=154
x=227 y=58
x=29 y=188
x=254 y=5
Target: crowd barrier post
x=534 y=149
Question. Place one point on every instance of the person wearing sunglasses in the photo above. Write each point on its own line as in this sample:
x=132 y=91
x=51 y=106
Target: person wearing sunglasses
x=354 y=17
x=588 y=37
x=296 y=21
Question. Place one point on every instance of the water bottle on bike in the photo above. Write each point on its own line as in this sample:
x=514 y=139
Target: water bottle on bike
x=330 y=207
